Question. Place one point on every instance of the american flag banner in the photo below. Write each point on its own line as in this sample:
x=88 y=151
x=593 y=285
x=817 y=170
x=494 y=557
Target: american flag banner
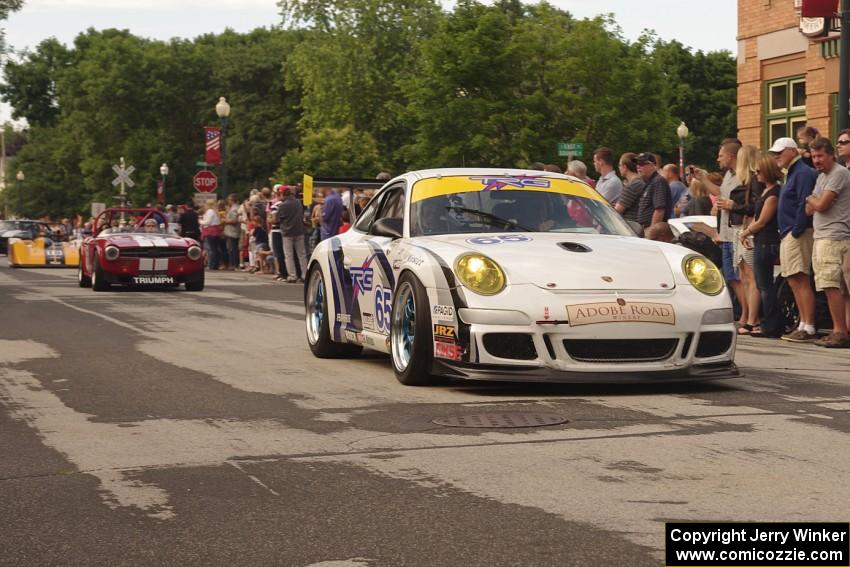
x=212 y=140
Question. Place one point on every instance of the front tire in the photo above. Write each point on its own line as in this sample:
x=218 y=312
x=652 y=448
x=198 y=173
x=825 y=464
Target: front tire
x=788 y=305
x=196 y=285
x=82 y=279
x=98 y=280
x=411 y=342
x=318 y=322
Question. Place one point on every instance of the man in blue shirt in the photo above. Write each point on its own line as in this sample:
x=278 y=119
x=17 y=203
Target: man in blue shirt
x=331 y=214
x=795 y=230
x=678 y=190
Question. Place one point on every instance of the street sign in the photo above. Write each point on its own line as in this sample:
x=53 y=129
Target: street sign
x=205 y=182
x=201 y=199
x=123 y=174
x=565 y=149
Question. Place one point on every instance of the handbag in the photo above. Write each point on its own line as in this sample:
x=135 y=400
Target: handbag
x=744 y=207
x=212 y=230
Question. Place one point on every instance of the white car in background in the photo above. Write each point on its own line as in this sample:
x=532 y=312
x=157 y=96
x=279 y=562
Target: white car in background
x=514 y=275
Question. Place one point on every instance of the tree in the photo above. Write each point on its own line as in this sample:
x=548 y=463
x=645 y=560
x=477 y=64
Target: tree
x=355 y=63
x=113 y=94
x=30 y=85
x=6 y=8
x=501 y=85
x=703 y=90
x=332 y=152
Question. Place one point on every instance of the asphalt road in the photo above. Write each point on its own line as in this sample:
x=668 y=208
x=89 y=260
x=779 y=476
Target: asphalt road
x=175 y=428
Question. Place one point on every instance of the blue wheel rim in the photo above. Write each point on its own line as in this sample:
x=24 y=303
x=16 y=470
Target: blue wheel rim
x=315 y=307
x=403 y=332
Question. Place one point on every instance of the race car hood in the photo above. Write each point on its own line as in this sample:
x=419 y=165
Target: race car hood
x=568 y=261
x=147 y=241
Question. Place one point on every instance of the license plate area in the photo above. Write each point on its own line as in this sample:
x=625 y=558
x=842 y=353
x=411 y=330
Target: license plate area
x=152 y=279
x=621 y=312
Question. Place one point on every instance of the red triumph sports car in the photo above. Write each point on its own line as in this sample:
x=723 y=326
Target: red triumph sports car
x=134 y=247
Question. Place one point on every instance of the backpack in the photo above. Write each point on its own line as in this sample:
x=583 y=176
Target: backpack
x=701 y=243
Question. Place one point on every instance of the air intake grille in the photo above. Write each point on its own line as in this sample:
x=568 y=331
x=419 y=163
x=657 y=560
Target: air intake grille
x=620 y=350
x=517 y=346
x=713 y=343
x=153 y=252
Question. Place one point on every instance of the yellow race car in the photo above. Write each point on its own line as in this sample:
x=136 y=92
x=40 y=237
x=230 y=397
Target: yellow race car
x=51 y=247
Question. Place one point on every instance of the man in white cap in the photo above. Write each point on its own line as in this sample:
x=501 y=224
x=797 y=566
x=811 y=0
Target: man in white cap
x=830 y=205
x=796 y=234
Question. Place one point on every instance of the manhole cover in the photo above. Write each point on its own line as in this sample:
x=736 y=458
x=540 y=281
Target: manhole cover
x=502 y=420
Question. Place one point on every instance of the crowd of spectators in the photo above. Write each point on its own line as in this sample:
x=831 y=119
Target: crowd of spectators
x=788 y=205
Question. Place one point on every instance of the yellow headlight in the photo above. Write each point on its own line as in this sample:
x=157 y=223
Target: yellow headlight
x=480 y=274
x=703 y=275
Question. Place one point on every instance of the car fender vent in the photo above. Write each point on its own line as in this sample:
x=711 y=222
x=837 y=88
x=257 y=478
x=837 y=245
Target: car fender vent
x=574 y=247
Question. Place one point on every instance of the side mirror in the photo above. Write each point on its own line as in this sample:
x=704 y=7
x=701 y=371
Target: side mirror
x=636 y=227
x=390 y=227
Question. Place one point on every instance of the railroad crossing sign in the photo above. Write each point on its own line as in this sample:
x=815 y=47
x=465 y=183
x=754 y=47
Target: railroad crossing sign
x=565 y=149
x=123 y=175
x=205 y=181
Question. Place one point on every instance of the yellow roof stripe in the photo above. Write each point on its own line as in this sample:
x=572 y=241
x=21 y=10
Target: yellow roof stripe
x=438 y=186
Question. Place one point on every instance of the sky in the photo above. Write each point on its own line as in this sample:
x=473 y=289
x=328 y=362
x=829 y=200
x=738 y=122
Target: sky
x=709 y=26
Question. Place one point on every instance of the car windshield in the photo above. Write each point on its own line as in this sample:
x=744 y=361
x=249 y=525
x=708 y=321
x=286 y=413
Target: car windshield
x=15 y=225
x=510 y=204
x=133 y=229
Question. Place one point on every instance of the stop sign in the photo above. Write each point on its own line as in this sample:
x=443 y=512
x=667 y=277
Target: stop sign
x=205 y=181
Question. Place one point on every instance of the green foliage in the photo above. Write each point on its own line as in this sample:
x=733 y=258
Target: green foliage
x=114 y=94
x=702 y=94
x=502 y=85
x=6 y=8
x=354 y=65
x=351 y=88
x=332 y=152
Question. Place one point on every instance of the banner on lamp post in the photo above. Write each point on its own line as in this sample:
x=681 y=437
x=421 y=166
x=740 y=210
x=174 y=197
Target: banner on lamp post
x=160 y=192
x=212 y=144
x=307 y=186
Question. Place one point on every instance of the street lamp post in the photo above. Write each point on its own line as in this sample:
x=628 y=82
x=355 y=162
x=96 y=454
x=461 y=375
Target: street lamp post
x=163 y=170
x=682 y=132
x=20 y=177
x=223 y=111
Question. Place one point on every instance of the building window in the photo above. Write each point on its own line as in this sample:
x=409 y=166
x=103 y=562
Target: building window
x=785 y=110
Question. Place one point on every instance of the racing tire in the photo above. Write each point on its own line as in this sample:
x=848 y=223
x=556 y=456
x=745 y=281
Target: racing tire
x=318 y=322
x=98 y=279
x=411 y=341
x=82 y=279
x=787 y=305
x=196 y=285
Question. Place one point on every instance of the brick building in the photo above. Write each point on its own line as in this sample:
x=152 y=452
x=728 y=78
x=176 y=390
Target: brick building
x=787 y=72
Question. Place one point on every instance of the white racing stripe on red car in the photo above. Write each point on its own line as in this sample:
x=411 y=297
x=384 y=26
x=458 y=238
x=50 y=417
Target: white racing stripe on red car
x=146 y=264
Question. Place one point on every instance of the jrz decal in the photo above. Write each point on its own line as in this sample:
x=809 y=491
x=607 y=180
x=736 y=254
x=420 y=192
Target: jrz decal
x=444 y=331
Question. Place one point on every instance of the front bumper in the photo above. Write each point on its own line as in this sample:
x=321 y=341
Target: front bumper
x=127 y=279
x=694 y=373
x=613 y=352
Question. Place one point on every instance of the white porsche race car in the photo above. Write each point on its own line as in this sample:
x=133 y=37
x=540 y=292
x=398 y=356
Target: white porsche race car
x=514 y=275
